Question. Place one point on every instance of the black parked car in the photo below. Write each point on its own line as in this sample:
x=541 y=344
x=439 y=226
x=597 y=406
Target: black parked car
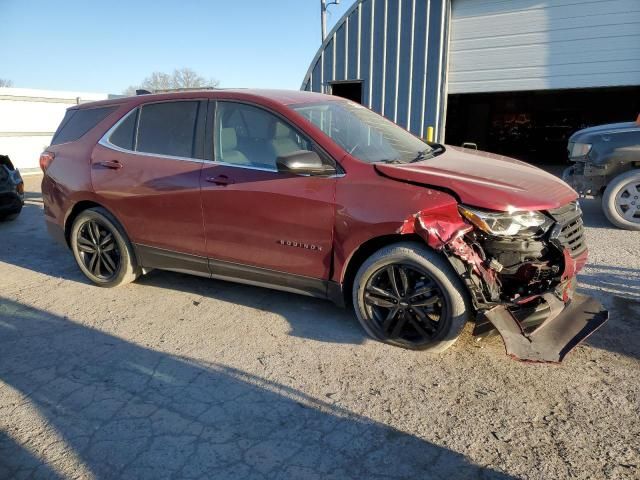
x=11 y=190
x=607 y=163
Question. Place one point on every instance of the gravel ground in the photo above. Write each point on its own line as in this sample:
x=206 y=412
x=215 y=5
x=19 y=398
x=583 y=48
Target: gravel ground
x=183 y=377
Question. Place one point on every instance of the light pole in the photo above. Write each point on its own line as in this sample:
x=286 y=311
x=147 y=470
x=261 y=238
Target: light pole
x=323 y=15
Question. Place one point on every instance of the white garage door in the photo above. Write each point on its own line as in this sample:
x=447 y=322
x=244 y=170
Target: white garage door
x=510 y=45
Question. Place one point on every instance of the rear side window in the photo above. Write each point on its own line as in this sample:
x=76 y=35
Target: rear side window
x=168 y=128
x=77 y=122
x=124 y=136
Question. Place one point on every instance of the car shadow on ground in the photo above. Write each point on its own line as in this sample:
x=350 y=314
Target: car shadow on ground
x=618 y=289
x=108 y=408
x=308 y=317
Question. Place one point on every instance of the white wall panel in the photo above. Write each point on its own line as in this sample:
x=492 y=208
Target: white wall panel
x=509 y=45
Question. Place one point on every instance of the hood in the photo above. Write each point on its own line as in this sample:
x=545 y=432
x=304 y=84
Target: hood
x=582 y=135
x=485 y=180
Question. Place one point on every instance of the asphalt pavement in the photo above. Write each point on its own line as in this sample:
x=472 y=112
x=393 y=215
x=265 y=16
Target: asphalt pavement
x=183 y=377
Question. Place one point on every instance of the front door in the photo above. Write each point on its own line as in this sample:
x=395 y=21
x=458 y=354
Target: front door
x=255 y=216
x=146 y=170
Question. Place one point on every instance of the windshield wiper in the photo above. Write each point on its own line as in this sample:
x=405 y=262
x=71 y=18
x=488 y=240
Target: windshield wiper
x=427 y=153
x=390 y=161
x=423 y=155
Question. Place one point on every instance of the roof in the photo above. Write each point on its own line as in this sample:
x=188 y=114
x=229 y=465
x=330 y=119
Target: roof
x=283 y=97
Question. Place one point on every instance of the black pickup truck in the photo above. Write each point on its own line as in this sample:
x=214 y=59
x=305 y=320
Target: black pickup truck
x=607 y=163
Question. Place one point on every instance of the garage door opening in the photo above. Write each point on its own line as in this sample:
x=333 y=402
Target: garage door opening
x=349 y=90
x=534 y=126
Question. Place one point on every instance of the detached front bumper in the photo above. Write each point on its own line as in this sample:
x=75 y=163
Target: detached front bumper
x=564 y=325
x=547 y=326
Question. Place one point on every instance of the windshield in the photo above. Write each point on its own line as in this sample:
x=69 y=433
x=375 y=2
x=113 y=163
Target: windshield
x=363 y=133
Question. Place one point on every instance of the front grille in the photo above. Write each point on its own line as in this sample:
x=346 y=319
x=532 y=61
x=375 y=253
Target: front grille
x=569 y=230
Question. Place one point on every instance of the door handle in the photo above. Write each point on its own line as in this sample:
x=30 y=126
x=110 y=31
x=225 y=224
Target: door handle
x=220 y=180
x=112 y=164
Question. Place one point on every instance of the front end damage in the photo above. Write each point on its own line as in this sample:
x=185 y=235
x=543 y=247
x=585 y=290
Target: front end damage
x=523 y=288
x=589 y=179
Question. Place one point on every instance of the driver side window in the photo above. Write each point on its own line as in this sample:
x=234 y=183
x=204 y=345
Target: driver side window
x=250 y=136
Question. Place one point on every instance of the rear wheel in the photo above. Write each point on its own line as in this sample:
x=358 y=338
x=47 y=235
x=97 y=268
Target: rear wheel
x=409 y=296
x=621 y=201
x=102 y=250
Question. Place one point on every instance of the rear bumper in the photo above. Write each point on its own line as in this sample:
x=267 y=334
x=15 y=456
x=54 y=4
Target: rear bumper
x=56 y=231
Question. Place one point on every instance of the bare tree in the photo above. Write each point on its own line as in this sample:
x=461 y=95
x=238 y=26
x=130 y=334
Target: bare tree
x=5 y=83
x=180 y=78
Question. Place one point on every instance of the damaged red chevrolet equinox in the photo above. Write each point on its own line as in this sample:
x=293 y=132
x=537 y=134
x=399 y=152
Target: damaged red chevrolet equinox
x=318 y=195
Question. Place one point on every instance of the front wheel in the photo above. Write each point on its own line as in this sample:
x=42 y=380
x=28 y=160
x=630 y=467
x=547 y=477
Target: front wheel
x=409 y=296
x=102 y=250
x=621 y=201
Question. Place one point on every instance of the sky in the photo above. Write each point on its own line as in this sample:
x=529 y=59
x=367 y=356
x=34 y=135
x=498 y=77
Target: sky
x=107 y=46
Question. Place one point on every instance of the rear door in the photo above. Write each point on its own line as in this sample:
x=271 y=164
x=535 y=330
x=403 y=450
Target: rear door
x=146 y=170
x=256 y=216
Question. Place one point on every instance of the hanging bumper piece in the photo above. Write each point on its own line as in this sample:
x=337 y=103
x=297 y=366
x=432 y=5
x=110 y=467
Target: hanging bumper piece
x=565 y=326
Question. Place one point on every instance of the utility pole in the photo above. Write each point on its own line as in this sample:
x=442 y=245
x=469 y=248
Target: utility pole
x=323 y=15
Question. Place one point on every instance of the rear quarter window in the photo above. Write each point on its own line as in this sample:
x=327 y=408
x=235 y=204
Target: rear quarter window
x=124 y=135
x=77 y=122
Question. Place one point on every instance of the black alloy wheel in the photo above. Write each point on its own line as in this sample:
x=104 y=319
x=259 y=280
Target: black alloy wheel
x=102 y=249
x=98 y=250
x=405 y=304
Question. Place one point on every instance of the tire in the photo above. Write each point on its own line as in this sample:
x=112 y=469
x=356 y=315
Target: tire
x=116 y=264
x=621 y=201
x=10 y=218
x=446 y=317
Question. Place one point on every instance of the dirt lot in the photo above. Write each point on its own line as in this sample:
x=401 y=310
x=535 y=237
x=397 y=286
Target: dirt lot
x=184 y=377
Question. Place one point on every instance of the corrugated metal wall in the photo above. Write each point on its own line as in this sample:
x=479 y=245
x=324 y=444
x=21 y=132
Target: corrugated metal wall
x=384 y=43
x=510 y=45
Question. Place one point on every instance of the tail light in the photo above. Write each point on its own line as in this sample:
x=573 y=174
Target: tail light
x=20 y=188
x=45 y=160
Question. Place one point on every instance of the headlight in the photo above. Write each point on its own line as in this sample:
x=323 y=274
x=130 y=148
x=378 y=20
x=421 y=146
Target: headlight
x=580 y=149
x=505 y=224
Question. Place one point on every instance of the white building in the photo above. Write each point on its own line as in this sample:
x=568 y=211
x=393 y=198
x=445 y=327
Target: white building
x=29 y=118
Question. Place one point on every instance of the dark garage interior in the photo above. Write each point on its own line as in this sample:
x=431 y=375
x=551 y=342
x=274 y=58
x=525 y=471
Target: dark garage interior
x=348 y=90
x=534 y=126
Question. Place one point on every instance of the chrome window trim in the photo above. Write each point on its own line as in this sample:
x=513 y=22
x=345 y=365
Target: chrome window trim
x=248 y=167
x=105 y=140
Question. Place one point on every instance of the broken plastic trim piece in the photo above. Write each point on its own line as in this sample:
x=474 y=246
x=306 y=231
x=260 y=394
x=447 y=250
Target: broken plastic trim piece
x=565 y=327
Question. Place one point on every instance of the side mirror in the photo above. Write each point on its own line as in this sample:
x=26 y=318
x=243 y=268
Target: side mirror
x=303 y=162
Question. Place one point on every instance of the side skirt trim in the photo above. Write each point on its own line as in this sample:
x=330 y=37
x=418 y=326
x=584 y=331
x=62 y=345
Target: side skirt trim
x=263 y=277
x=153 y=257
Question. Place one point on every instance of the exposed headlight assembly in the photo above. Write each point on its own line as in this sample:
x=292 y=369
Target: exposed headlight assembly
x=580 y=149
x=506 y=224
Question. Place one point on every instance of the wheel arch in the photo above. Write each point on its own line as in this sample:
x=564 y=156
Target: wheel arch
x=80 y=207
x=364 y=251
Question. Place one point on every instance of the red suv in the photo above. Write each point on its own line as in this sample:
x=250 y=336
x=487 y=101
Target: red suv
x=318 y=195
